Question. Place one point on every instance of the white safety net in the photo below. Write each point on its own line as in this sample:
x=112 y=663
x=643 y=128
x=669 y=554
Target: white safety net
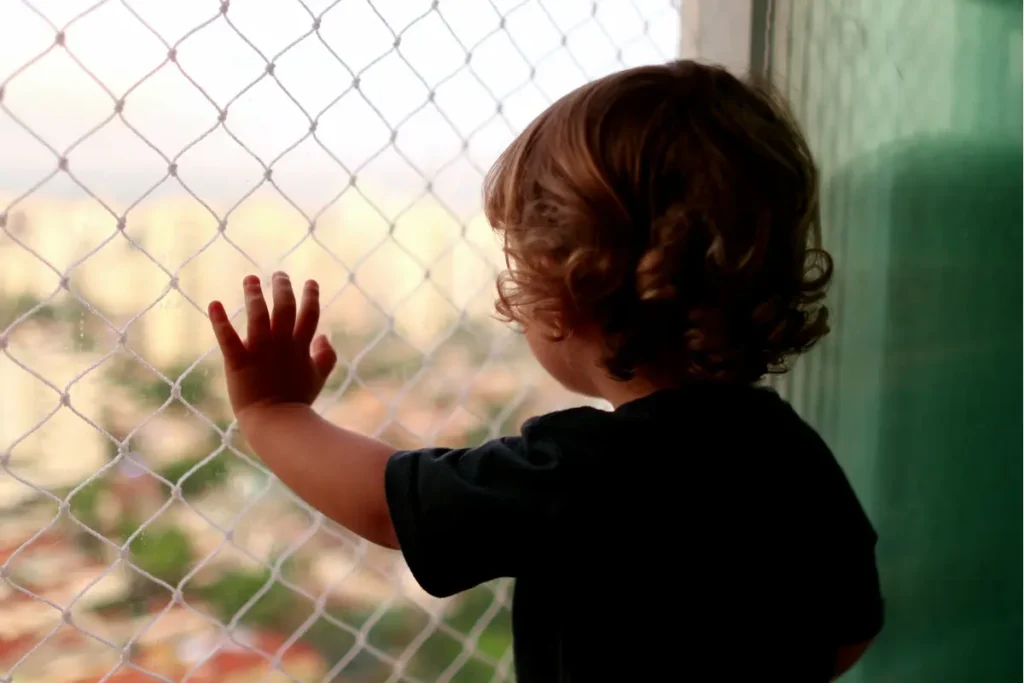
x=152 y=153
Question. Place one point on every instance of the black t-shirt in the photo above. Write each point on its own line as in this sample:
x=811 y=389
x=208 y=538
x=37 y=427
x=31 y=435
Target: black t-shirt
x=703 y=533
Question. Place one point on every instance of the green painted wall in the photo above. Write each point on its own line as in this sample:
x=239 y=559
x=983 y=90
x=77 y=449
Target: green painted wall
x=914 y=110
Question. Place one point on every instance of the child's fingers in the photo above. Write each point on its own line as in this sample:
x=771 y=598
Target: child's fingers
x=256 y=311
x=309 y=314
x=227 y=338
x=282 y=320
x=324 y=357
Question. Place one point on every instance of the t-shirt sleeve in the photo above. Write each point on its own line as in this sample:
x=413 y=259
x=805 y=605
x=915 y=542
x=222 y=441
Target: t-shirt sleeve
x=854 y=597
x=466 y=516
x=839 y=544
x=860 y=612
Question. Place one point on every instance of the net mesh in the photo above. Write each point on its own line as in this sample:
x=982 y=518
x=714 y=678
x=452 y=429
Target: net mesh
x=841 y=65
x=153 y=155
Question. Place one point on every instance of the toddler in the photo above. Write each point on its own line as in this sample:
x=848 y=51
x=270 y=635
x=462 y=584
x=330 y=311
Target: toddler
x=661 y=232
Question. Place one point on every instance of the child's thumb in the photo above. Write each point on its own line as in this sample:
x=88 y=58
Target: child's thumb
x=324 y=356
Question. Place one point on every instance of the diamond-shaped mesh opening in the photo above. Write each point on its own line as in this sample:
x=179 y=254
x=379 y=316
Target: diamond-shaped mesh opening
x=154 y=154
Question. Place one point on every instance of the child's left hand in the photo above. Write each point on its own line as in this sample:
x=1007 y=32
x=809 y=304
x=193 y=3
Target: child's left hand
x=272 y=378
x=279 y=361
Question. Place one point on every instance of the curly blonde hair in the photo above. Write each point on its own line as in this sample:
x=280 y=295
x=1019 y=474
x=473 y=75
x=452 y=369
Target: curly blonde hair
x=675 y=208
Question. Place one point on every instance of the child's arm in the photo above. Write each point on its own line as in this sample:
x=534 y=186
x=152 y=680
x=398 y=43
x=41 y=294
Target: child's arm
x=847 y=656
x=858 y=610
x=273 y=377
x=461 y=516
x=338 y=472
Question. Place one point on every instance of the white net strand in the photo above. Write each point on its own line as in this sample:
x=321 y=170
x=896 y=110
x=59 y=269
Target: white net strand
x=184 y=537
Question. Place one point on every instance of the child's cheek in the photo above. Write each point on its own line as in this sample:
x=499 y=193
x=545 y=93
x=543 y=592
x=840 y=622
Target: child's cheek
x=554 y=357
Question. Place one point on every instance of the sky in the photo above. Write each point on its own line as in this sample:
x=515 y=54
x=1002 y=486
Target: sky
x=522 y=64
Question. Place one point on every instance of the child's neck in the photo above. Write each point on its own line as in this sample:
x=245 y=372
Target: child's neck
x=619 y=392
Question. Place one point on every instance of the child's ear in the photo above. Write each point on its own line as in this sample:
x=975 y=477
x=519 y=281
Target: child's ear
x=544 y=323
x=558 y=327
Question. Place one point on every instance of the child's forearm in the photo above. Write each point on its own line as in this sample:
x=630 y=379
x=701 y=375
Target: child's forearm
x=847 y=656
x=339 y=472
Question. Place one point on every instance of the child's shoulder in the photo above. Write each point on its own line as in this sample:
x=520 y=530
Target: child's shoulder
x=582 y=428
x=691 y=405
x=567 y=419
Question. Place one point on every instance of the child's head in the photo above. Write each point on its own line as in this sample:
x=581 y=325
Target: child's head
x=668 y=217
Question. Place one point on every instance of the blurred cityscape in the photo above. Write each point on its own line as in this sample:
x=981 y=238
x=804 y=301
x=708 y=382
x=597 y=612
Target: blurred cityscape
x=171 y=528
x=153 y=154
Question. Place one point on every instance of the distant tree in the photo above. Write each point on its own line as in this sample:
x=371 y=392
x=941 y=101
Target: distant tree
x=84 y=503
x=233 y=590
x=165 y=553
x=440 y=650
x=210 y=474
